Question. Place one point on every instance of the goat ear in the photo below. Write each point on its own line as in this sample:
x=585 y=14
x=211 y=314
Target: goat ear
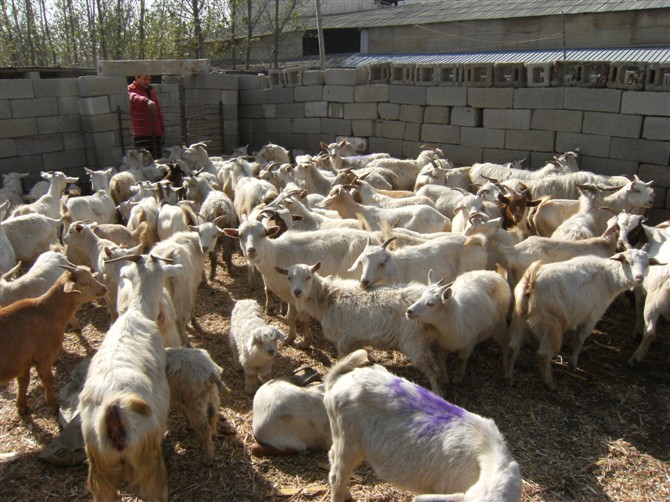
x=503 y=199
x=283 y=271
x=654 y=261
x=232 y=232
x=279 y=334
x=618 y=257
x=446 y=293
x=315 y=267
x=70 y=287
x=532 y=203
x=355 y=264
x=272 y=231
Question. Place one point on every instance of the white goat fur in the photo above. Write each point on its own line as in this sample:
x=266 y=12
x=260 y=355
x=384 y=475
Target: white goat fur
x=195 y=381
x=412 y=438
x=31 y=235
x=253 y=343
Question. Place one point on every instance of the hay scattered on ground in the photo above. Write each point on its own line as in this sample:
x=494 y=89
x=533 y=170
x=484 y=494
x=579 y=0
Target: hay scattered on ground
x=604 y=435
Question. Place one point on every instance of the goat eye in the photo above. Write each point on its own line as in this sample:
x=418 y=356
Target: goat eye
x=430 y=303
x=290 y=279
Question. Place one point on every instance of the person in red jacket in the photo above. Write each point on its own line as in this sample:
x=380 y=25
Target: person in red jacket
x=147 y=118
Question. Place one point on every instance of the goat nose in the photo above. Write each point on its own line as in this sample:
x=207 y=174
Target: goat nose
x=409 y=313
x=251 y=252
x=638 y=279
x=297 y=293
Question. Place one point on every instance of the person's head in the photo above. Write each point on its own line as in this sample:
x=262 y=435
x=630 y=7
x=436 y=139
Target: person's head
x=143 y=80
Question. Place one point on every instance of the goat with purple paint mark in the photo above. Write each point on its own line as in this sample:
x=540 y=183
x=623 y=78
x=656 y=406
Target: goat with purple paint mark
x=412 y=438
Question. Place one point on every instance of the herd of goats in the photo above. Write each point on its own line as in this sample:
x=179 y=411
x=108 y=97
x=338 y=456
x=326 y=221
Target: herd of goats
x=414 y=255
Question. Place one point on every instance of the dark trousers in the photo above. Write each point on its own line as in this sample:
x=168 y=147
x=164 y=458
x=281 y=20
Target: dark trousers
x=152 y=143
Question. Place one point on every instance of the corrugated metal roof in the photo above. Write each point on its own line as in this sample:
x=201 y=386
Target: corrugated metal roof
x=468 y=10
x=638 y=55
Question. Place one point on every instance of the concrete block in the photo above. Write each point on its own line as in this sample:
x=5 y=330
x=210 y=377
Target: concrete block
x=336 y=110
x=247 y=82
x=478 y=74
x=440 y=96
x=101 y=86
x=305 y=125
x=379 y=73
x=291 y=111
x=604 y=165
x=5 y=109
x=337 y=127
x=278 y=125
x=18 y=88
x=539 y=74
x=363 y=128
x=466 y=116
x=656 y=128
x=94 y=106
x=252 y=111
x=626 y=75
x=40 y=144
x=411 y=113
x=202 y=96
x=483 y=138
x=74 y=141
x=100 y=123
x=402 y=73
x=596 y=100
x=58 y=124
x=393 y=129
x=8 y=148
x=229 y=112
x=362 y=75
x=425 y=74
x=509 y=75
x=56 y=87
x=659 y=173
x=231 y=127
x=388 y=111
x=252 y=96
x=219 y=81
x=316 y=109
x=338 y=93
x=382 y=145
x=359 y=111
x=407 y=95
x=440 y=134
x=340 y=76
x=657 y=77
x=121 y=102
x=580 y=73
x=612 y=124
x=412 y=132
x=589 y=144
x=507 y=119
x=278 y=95
x=229 y=97
x=24 y=164
x=292 y=141
x=313 y=77
x=17 y=128
x=293 y=77
x=270 y=111
x=641 y=150
x=535 y=141
x=539 y=97
x=276 y=78
x=308 y=93
x=411 y=149
x=436 y=115
x=449 y=75
x=375 y=93
x=490 y=98
x=646 y=103
x=557 y=120
x=464 y=155
x=657 y=215
x=38 y=107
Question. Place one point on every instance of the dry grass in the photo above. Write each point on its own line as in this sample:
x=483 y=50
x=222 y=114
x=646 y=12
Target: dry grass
x=604 y=435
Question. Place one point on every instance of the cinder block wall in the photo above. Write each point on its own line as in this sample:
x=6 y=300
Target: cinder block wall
x=71 y=123
x=618 y=130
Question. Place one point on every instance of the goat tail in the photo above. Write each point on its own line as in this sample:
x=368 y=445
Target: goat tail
x=116 y=422
x=356 y=359
x=525 y=288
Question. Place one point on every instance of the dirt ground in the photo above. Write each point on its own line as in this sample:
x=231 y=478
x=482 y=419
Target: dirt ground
x=604 y=435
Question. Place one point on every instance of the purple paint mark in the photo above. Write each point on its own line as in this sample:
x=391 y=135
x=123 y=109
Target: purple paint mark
x=430 y=413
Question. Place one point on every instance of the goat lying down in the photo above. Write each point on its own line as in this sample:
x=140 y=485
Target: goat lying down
x=412 y=438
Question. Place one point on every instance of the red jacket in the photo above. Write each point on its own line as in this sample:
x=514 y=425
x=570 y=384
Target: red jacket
x=145 y=123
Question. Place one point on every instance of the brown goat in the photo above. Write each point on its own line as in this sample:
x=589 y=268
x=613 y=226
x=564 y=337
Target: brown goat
x=32 y=331
x=514 y=208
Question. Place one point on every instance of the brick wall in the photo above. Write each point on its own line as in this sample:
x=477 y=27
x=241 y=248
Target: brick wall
x=396 y=108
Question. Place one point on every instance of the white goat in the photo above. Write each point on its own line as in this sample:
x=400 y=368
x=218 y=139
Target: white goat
x=568 y=296
x=420 y=217
x=173 y=219
x=253 y=343
x=7 y=254
x=352 y=317
x=195 y=382
x=470 y=310
x=406 y=170
x=12 y=190
x=273 y=153
x=125 y=400
x=49 y=204
x=413 y=438
x=99 y=207
x=31 y=235
x=448 y=256
x=289 y=415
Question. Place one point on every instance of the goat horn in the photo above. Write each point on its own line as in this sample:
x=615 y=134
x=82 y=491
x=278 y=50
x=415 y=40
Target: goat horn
x=388 y=241
x=131 y=257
